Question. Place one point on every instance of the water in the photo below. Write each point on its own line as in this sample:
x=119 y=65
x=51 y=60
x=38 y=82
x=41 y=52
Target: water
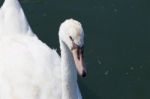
x=117 y=49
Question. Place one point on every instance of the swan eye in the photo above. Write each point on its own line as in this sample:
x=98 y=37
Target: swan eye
x=71 y=38
x=75 y=46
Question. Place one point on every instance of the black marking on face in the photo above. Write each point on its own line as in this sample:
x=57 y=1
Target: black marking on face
x=77 y=47
x=71 y=38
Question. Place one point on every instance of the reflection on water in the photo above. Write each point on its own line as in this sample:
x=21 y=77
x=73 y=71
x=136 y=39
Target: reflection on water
x=117 y=42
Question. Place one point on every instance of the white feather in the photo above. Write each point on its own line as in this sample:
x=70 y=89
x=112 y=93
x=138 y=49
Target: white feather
x=29 y=69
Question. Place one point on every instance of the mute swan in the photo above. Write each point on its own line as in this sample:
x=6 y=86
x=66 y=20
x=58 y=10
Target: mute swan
x=29 y=69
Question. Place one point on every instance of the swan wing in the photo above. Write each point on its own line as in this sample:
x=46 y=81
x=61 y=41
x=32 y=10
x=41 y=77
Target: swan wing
x=29 y=69
x=12 y=19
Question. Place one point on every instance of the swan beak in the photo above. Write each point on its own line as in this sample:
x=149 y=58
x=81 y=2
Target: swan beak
x=79 y=61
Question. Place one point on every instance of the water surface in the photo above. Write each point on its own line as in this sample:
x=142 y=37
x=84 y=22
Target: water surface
x=117 y=49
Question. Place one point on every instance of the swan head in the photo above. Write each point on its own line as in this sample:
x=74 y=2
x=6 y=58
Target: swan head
x=72 y=34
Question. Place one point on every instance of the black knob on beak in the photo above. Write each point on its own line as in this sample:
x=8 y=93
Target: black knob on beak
x=84 y=74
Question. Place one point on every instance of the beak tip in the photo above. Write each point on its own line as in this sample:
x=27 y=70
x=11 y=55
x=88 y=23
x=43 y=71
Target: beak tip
x=84 y=74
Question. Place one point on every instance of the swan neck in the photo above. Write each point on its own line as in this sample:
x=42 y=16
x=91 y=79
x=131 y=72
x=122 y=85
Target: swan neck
x=69 y=74
x=67 y=63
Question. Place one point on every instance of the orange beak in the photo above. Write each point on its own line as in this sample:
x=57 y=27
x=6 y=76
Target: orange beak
x=79 y=61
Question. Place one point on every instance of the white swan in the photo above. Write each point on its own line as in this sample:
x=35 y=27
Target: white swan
x=29 y=69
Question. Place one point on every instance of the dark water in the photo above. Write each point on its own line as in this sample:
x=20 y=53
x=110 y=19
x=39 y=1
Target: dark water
x=117 y=42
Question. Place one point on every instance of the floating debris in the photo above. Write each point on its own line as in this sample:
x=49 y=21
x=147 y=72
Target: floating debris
x=102 y=7
x=44 y=14
x=141 y=66
x=95 y=7
x=115 y=10
x=132 y=6
x=113 y=5
x=99 y=62
x=126 y=73
x=138 y=78
x=131 y=68
x=106 y=72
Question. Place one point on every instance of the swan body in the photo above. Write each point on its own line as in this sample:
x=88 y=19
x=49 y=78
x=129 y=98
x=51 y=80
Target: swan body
x=29 y=69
